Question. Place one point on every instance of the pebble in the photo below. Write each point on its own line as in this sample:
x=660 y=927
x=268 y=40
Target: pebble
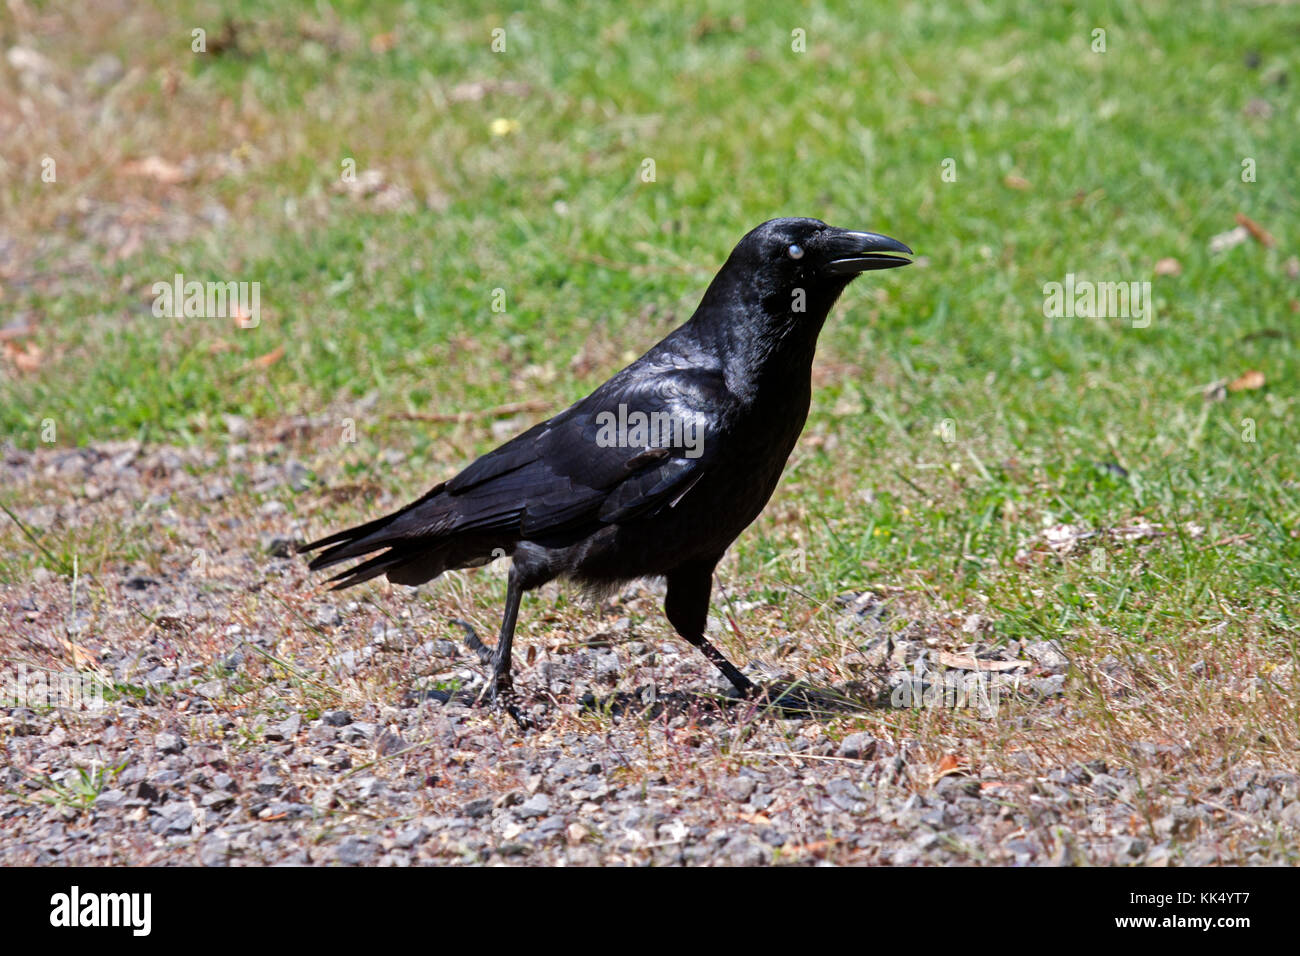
x=168 y=743
x=354 y=851
x=538 y=805
x=1048 y=655
x=857 y=747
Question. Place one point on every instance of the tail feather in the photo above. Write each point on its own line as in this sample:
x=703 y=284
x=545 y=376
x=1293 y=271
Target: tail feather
x=412 y=551
x=366 y=570
x=360 y=540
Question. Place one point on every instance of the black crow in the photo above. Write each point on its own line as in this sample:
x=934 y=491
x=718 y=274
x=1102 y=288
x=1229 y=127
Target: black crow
x=655 y=473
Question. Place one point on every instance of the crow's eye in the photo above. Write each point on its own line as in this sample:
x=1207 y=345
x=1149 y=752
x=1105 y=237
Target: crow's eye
x=795 y=252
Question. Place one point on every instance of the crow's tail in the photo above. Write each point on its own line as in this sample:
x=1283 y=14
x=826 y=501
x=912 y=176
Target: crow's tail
x=413 y=547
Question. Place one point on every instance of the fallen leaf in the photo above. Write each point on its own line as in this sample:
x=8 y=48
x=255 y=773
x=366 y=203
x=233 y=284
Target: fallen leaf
x=1169 y=266
x=1247 y=381
x=817 y=848
x=1261 y=235
x=949 y=765
x=156 y=168
x=242 y=318
x=1013 y=181
x=25 y=357
x=79 y=656
x=383 y=42
x=270 y=358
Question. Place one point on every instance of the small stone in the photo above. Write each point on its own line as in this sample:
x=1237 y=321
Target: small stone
x=1105 y=785
x=857 y=747
x=354 y=851
x=285 y=730
x=147 y=792
x=104 y=71
x=328 y=616
x=1048 y=655
x=211 y=690
x=745 y=850
x=357 y=732
x=214 y=851
x=1132 y=847
x=478 y=807
x=337 y=718
x=179 y=817
x=236 y=426
x=739 y=789
x=109 y=799
x=217 y=800
x=1053 y=686
x=167 y=743
x=298 y=476
x=408 y=837
x=538 y=805
x=1290 y=815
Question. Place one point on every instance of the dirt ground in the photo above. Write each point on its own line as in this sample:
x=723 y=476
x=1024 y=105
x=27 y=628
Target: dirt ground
x=249 y=717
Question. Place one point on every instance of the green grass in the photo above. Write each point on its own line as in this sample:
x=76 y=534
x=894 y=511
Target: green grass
x=1131 y=156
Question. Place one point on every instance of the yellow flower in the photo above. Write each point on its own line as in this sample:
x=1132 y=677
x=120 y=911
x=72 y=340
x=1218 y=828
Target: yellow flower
x=503 y=127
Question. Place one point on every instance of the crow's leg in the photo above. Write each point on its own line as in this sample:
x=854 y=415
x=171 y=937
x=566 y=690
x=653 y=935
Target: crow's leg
x=687 y=607
x=500 y=688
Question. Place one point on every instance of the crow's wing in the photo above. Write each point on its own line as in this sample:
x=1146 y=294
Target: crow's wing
x=578 y=468
x=569 y=474
x=635 y=445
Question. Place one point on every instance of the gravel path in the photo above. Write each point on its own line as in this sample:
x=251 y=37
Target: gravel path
x=257 y=721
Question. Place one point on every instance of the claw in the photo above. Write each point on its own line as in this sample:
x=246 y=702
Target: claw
x=474 y=642
x=501 y=695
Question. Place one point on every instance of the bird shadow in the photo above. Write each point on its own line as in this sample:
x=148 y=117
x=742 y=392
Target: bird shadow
x=779 y=700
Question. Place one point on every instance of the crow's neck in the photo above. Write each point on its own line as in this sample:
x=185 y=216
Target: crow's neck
x=763 y=346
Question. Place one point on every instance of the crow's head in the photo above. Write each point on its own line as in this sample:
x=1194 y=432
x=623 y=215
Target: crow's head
x=779 y=284
x=809 y=253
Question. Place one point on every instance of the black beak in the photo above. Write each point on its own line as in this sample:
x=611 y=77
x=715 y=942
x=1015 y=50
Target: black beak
x=853 y=252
